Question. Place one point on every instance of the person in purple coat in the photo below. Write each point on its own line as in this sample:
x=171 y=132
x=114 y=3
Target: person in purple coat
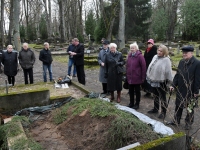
x=136 y=73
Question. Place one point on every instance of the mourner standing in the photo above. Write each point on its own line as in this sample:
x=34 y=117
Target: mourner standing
x=10 y=62
x=159 y=76
x=71 y=59
x=78 y=56
x=46 y=58
x=113 y=61
x=27 y=60
x=150 y=52
x=186 y=83
x=101 y=61
x=136 y=73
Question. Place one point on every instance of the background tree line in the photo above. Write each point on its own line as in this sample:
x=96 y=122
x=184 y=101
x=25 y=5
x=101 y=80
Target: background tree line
x=119 y=20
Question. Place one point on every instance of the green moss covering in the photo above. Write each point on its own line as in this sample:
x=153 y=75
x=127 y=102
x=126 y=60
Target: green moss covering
x=52 y=98
x=158 y=141
x=79 y=86
x=27 y=91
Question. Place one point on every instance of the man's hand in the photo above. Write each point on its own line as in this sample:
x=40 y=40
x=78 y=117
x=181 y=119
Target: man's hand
x=195 y=95
x=102 y=64
x=171 y=88
x=72 y=53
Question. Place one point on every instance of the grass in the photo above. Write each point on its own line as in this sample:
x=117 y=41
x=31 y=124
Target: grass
x=123 y=128
x=12 y=129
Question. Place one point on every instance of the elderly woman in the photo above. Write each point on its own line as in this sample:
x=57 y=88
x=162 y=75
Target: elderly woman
x=113 y=60
x=10 y=62
x=159 y=76
x=136 y=73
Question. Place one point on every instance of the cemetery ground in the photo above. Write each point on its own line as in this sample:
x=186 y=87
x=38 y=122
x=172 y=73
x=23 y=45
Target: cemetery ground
x=52 y=134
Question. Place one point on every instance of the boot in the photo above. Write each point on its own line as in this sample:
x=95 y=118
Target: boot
x=118 y=96
x=112 y=96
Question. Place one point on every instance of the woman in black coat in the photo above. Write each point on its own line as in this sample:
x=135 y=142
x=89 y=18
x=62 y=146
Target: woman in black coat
x=10 y=62
x=150 y=52
x=114 y=59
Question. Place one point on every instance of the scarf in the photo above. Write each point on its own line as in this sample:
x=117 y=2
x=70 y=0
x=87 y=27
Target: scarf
x=160 y=70
x=148 y=49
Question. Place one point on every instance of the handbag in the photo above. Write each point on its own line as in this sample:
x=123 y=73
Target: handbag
x=121 y=69
x=125 y=85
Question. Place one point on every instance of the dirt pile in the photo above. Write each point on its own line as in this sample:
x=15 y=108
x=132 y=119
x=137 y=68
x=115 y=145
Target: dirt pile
x=88 y=125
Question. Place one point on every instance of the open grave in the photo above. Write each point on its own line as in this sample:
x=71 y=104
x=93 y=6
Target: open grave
x=81 y=123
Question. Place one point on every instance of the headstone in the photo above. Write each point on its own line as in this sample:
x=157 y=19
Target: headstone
x=197 y=51
x=178 y=49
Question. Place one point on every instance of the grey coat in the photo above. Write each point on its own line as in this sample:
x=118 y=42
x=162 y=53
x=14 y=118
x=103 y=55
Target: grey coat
x=26 y=58
x=101 y=58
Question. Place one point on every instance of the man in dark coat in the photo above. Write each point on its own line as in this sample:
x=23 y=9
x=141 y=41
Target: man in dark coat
x=27 y=60
x=46 y=58
x=187 y=84
x=71 y=59
x=9 y=60
x=78 y=55
x=101 y=61
x=150 y=52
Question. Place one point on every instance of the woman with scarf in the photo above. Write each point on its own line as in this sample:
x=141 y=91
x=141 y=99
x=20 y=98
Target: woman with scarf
x=159 y=76
x=150 y=52
x=113 y=60
x=135 y=72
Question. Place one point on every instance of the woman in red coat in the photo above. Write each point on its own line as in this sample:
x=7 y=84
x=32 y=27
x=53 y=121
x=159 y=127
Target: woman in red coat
x=135 y=72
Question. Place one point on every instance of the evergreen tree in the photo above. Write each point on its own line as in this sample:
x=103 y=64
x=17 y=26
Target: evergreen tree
x=90 y=23
x=191 y=20
x=43 y=28
x=100 y=29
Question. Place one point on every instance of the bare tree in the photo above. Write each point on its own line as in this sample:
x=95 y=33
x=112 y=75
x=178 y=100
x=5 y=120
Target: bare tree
x=16 y=34
x=61 y=14
x=2 y=23
x=11 y=22
x=121 y=25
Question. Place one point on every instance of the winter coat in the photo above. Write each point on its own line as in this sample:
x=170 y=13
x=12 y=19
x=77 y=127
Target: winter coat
x=45 y=57
x=26 y=58
x=70 y=48
x=114 y=80
x=187 y=81
x=79 y=57
x=101 y=59
x=10 y=62
x=135 y=68
x=148 y=56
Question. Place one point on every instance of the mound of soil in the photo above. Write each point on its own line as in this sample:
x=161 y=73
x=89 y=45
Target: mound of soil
x=79 y=132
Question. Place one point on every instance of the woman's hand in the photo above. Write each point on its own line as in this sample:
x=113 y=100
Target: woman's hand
x=171 y=88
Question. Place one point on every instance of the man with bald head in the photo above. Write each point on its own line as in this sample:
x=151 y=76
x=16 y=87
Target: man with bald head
x=27 y=60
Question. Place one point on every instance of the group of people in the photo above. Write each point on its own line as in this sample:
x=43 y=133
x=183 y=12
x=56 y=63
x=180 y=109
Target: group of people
x=26 y=59
x=153 y=72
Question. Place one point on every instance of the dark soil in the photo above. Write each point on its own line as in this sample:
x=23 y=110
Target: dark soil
x=76 y=133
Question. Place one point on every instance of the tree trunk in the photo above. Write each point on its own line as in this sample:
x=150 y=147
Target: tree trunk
x=110 y=29
x=2 y=24
x=62 y=32
x=121 y=25
x=172 y=17
x=49 y=20
x=16 y=34
x=11 y=23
